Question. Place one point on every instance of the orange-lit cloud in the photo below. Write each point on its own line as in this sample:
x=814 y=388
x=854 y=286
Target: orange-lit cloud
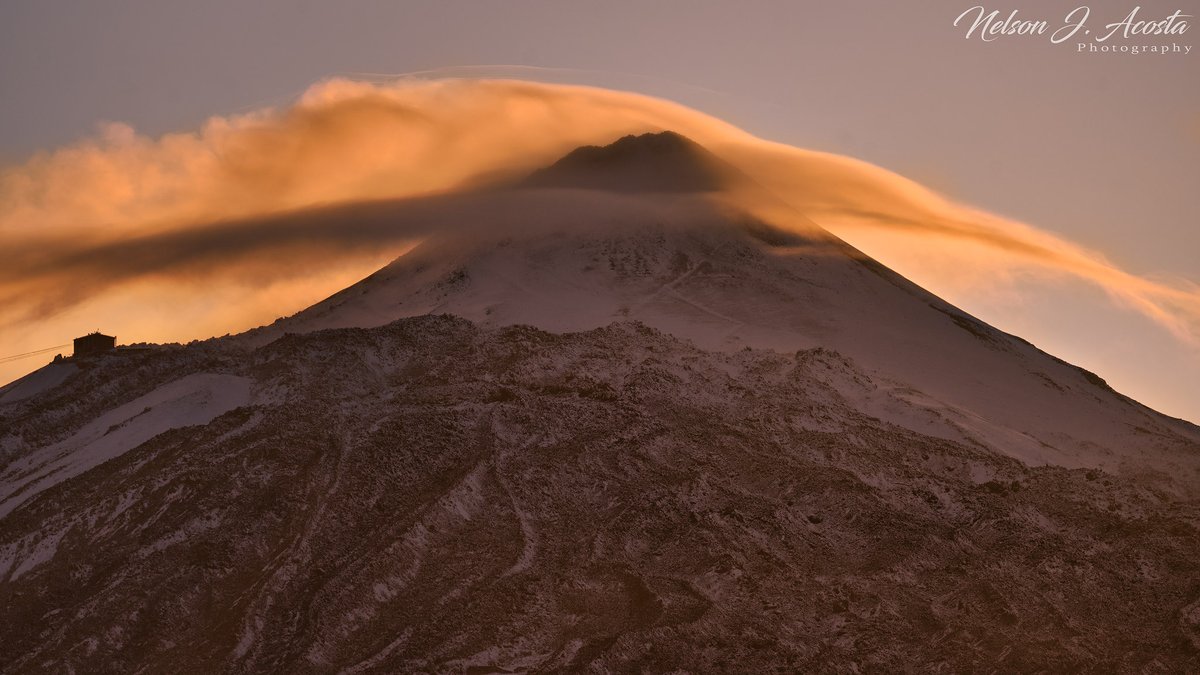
x=162 y=213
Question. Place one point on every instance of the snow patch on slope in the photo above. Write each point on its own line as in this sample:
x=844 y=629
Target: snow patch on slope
x=195 y=399
x=29 y=552
x=40 y=380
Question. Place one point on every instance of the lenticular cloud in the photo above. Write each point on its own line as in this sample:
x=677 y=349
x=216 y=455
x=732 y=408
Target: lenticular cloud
x=345 y=141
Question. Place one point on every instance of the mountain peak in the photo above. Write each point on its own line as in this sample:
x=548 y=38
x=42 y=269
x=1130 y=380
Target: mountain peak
x=648 y=143
x=651 y=162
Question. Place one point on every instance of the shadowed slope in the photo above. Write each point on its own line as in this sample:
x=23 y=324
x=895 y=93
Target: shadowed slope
x=433 y=496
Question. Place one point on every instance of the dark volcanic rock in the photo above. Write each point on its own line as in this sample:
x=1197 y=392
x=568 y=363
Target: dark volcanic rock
x=430 y=496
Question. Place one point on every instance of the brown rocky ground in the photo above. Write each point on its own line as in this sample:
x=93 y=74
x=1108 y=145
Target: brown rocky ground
x=430 y=496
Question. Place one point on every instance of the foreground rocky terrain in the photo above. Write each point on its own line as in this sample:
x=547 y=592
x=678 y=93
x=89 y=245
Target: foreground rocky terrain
x=434 y=496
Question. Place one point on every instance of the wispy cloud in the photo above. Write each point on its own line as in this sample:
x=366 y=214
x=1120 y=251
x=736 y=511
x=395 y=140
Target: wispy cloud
x=241 y=201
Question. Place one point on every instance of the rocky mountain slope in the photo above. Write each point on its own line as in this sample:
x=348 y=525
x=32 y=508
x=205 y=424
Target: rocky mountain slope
x=434 y=496
x=572 y=248
x=605 y=429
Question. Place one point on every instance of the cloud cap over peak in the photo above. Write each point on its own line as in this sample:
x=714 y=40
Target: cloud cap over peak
x=652 y=162
x=346 y=141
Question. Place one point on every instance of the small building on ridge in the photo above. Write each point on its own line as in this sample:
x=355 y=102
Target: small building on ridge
x=94 y=343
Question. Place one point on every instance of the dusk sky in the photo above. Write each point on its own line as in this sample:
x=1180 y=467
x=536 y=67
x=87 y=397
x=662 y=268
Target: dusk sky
x=1100 y=149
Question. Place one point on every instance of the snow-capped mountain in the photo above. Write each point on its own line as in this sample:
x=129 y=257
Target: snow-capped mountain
x=680 y=260
x=611 y=420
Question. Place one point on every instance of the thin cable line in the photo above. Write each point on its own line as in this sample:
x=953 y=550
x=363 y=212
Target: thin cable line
x=15 y=357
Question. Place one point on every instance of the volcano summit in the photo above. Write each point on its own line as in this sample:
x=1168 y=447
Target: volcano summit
x=631 y=413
